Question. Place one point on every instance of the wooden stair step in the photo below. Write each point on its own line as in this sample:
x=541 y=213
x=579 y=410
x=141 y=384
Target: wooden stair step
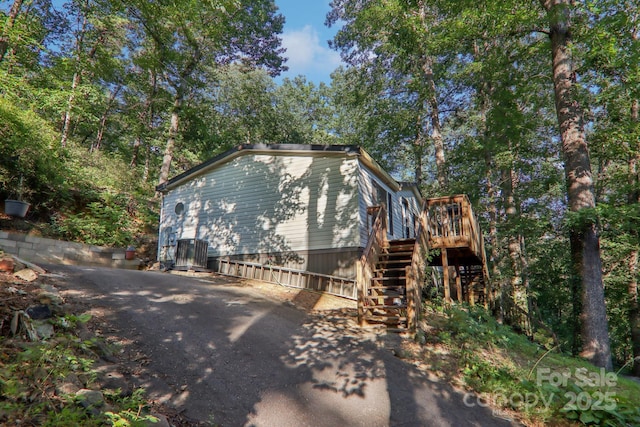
x=387 y=287
x=388 y=293
x=395 y=249
x=373 y=300
x=394 y=260
x=385 y=279
x=390 y=270
x=393 y=264
x=399 y=242
x=385 y=319
x=386 y=306
x=393 y=254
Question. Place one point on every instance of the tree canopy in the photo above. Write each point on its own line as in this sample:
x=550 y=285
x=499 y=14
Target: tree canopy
x=531 y=108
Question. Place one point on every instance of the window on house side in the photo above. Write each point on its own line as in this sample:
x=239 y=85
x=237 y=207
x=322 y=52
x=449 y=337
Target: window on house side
x=179 y=210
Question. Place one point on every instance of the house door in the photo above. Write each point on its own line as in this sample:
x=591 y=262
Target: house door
x=406 y=219
x=383 y=198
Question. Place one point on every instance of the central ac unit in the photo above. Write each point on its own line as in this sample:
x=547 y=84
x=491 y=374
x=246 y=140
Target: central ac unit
x=191 y=253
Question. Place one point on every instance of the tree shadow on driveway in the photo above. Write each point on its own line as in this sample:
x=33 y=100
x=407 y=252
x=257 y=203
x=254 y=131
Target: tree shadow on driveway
x=229 y=356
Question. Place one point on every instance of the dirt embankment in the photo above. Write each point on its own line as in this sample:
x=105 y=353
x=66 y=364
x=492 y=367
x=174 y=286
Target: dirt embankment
x=54 y=364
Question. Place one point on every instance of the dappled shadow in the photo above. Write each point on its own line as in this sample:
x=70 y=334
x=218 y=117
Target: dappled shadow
x=340 y=355
x=227 y=355
x=270 y=208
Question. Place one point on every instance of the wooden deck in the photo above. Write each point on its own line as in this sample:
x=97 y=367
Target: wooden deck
x=391 y=272
x=452 y=225
x=453 y=228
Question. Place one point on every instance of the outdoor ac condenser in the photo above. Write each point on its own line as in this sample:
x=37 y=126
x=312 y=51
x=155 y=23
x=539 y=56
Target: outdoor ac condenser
x=191 y=253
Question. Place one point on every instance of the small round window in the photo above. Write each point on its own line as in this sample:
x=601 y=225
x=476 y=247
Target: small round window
x=179 y=208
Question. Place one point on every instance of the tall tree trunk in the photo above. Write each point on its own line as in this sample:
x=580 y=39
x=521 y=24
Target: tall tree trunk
x=8 y=26
x=103 y=119
x=147 y=163
x=436 y=129
x=173 y=133
x=580 y=190
x=492 y=210
x=434 y=109
x=176 y=110
x=77 y=75
x=137 y=143
x=66 y=121
x=75 y=82
x=418 y=152
x=146 y=117
x=634 y=199
x=518 y=283
x=514 y=283
x=496 y=301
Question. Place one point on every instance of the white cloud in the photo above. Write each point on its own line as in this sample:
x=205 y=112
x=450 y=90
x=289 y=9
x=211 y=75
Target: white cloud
x=307 y=54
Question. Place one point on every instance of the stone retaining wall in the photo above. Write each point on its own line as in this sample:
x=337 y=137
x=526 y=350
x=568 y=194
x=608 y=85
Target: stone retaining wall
x=50 y=251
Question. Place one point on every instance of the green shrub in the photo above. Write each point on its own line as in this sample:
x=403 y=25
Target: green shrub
x=105 y=223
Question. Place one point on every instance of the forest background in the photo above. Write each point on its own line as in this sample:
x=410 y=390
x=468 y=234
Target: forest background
x=529 y=107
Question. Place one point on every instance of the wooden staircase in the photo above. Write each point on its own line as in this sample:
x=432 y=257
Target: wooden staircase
x=387 y=294
x=391 y=272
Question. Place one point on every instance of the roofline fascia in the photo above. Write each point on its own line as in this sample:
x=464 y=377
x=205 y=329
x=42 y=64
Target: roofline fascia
x=291 y=148
x=377 y=169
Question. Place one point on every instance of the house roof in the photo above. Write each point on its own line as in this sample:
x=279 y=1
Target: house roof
x=346 y=150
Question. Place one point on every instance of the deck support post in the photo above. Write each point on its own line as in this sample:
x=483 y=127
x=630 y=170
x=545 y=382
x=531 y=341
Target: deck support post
x=488 y=289
x=456 y=264
x=471 y=289
x=410 y=294
x=445 y=276
x=360 y=283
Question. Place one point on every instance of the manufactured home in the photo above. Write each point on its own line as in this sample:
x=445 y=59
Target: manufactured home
x=303 y=207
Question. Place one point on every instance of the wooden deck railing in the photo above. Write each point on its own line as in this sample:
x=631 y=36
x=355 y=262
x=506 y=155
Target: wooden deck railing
x=367 y=263
x=416 y=271
x=451 y=223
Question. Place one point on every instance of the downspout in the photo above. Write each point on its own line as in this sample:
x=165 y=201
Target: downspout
x=160 y=230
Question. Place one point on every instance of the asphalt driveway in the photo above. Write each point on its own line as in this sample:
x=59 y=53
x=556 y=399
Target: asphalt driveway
x=233 y=357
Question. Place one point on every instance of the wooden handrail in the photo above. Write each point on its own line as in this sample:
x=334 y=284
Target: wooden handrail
x=451 y=222
x=369 y=259
x=416 y=271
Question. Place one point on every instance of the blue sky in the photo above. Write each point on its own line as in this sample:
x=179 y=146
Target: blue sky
x=305 y=37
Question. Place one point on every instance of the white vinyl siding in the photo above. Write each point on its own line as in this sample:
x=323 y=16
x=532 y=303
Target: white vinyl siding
x=366 y=185
x=413 y=210
x=265 y=203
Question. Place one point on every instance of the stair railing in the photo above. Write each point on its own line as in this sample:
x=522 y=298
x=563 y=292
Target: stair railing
x=416 y=271
x=452 y=223
x=370 y=256
x=446 y=220
x=476 y=243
